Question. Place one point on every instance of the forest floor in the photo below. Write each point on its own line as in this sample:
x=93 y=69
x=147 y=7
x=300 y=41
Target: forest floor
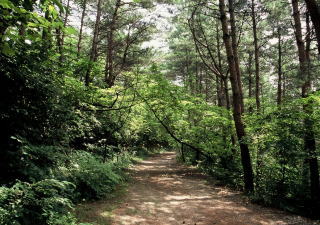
x=164 y=192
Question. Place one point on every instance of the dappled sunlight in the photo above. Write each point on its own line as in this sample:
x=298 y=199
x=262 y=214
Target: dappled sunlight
x=126 y=219
x=163 y=192
x=166 y=193
x=106 y=214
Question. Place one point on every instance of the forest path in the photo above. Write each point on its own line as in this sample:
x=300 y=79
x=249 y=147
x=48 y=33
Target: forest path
x=164 y=192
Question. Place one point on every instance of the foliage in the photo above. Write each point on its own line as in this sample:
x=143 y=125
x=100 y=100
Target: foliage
x=43 y=202
x=93 y=179
x=280 y=157
x=65 y=137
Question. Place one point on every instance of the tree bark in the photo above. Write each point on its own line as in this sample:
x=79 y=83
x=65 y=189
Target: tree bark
x=109 y=69
x=314 y=11
x=65 y=21
x=94 y=46
x=46 y=32
x=234 y=43
x=81 y=26
x=309 y=137
x=279 y=90
x=250 y=80
x=61 y=34
x=219 y=92
x=256 y=55
x=237 y=109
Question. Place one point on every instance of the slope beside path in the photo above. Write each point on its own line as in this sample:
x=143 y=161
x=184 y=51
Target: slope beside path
x=163 y=192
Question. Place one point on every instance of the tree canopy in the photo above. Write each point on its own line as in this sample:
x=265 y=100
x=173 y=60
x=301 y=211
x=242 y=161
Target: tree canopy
x=85 y=88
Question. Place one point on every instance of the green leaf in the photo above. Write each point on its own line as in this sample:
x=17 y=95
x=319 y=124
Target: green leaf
x=6 y=4
x=70 y=30
x=7 y=50
x=33 y=24
x=58 y=3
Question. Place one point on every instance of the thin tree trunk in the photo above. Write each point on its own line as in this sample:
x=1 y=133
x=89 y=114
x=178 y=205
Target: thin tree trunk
x=46 y=33
x=109 y=68
x=59 y=43
x=81 y=26
x=219 y=91
x=284 y=87
x=237 y=110
x=250 y=80
x=256 y=55
x=308 y=43
x=226 y=92
x=94 y=46
x=207 y=87
x=309 y=137
x=222 y=95
x=61 y=34
x=279 y=90
x=259 y=159
x=199 y=79
x=183 y=158
x=197 y=82
x=227 y=98
x=234 y=44
x=65 y=21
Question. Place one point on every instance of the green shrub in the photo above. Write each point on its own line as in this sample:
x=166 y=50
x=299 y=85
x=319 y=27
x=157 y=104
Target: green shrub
x=44 y=202
x=38 y=161
x=93 y=178
x=77 y=176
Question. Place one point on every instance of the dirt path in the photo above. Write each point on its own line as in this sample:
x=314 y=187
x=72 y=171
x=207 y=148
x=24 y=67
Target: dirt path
x=163 y=192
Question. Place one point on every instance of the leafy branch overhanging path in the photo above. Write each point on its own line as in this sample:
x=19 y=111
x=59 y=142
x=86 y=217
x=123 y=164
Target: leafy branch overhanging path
x=164 y=192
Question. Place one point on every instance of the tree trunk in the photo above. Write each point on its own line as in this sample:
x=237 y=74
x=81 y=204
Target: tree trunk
x=220 y=79
x=201 y=80
x=109 y=68
x=219 y=92
x=65 y=21
x=81 y=26
x=256 y=55
x=46 y=32
x=207 y=87
x=279 y=90
x=59 y=43
x=250 y=80
x=284 y=87
x=61 y=34
x=314 y=11
x=237 y=109
x=183 y=158
x=226 y=92
x=197 y=81
x=309 y=137
x=234 y=44
x=308 y=43
x=94 y=46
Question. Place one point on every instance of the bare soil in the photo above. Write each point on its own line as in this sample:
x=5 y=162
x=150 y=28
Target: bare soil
x=164 y=192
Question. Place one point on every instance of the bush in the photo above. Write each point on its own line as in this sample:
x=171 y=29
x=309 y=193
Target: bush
x=44 y=202
x=280 y=159
x=74 y=177
x=93 y=178
x=39 y=161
